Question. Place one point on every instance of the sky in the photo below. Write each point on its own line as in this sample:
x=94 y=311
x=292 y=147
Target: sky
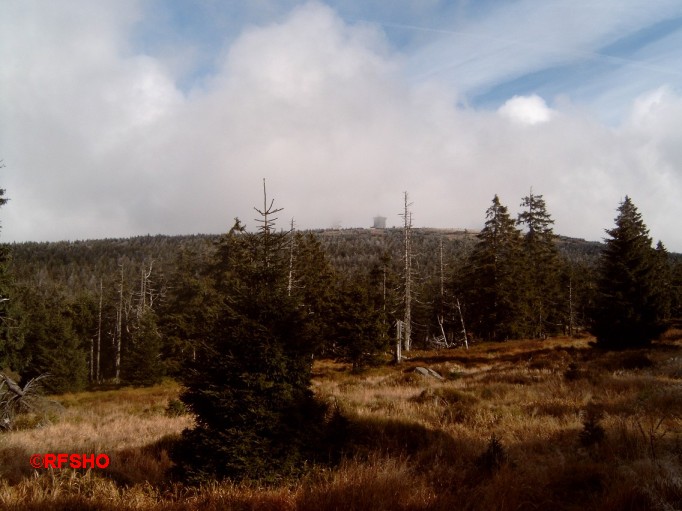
x=121 y=118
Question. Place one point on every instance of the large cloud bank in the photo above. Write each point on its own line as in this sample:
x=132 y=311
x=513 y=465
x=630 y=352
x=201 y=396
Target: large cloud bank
x=99 y=140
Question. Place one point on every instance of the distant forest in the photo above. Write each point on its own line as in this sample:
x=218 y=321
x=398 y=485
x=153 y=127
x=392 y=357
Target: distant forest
x=129 y=310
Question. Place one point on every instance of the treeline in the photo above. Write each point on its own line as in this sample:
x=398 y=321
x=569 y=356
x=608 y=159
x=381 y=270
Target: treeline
x=132 y=310
x=85 y=312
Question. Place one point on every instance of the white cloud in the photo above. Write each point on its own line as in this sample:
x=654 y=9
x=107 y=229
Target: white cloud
x=526 y=110
x=603 y=54
x=98 y=141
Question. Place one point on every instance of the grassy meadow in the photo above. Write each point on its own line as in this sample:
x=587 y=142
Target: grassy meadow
x=552 y=424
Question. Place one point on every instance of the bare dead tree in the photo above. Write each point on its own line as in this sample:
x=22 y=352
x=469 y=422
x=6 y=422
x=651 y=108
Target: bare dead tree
x=442 y=273
x=91 y=375
x=119 y=329
x=99 y=333
x=292 y=251
x=441 y=315
x=464 y=328
x=398 y=341
x=15 y=400
x=407 y=276
x=147 y=295
x=571 y=316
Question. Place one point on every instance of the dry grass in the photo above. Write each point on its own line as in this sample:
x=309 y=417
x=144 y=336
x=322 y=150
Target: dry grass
x=130 y=425
x=415 y=442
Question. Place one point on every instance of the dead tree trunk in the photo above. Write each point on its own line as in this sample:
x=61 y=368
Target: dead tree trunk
x=442 y=276
x=442 y=307
x=407 y=246
x=92 y=360
x=398 y=341
x=146 y=300
x=464 y=329
x=119 y=329
x=292 y=250
x=99 y=334
x=571 y=322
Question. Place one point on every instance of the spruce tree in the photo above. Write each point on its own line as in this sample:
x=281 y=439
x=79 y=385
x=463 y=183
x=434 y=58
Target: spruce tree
x=11 y=338
x=493 y=288
x=541 y=268
x=676 y=288
x=52 y=343
x=189 y=308
x=312 y=284
x=663 y=275
x=142 y=363
x=630 y=307
x=249 y=384
x=577 y=290
x=383 y=281
x=357 y=331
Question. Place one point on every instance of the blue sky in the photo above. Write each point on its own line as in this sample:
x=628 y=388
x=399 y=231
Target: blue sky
x=588 y=71
x=129 y=117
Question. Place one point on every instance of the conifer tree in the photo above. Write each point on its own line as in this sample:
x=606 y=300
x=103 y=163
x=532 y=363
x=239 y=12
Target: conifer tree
x=663 y=275
x=676 y=288
x=358 y=326
x=249 y=386
x=142 y=362
x=313 y=284
x=577 y=278
x=189 y=310
x=541 y=268
x=384 y=285
x=52 y=343
x=9 y=343
x=493 y=289
x=630 y=307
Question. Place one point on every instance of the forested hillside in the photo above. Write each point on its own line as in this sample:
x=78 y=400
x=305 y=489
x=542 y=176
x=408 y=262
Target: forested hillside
x=78 y=266
x=241 y=320
x=127 y=309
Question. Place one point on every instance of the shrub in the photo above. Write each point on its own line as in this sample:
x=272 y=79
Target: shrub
x=493 y=457
x=249 y=385
x=592 y=432
x=573 y=372
x=636 y=361
x=175 y=408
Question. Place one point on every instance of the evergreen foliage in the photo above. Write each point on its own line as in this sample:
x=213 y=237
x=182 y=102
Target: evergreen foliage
x=249 y=385
x=188 y=310
x=541 y=264
x=492 y=284
x=593 y=432
x=10 y=337
x=631 y=304
x=676 y=288
x=494 y=457
x=313 y=283
x=663 y=278
x=576 y=293
x=183 y=283
x=383 y=286
x=358 y=326
x=141 y=364
x=509 y=285
x=52 y=344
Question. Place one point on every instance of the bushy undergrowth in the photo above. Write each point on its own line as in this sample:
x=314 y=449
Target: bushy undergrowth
x=528 y=425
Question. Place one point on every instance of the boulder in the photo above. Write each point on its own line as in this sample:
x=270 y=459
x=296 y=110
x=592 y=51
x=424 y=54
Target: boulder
x=427 y=371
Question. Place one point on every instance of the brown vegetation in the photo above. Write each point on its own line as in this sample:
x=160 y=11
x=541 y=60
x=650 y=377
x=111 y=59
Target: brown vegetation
x=549 y=424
